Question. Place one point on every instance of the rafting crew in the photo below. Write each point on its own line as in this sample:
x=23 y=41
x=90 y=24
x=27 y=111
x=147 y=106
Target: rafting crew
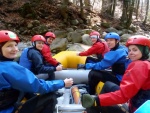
x=32 y=59
x=15 y=79
x=135 y=84
x=116 y=59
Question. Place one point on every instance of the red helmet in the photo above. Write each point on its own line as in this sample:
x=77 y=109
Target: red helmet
x=38 y=38
x=94 y=33
x=50 y=34
x=6 y=35
x=139 y=40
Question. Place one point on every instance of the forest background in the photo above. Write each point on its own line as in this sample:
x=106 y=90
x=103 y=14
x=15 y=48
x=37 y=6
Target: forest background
x=29 y=17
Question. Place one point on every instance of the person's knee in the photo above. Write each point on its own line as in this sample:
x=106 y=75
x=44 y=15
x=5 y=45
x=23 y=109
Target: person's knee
x=90 y=75
x=110 y=86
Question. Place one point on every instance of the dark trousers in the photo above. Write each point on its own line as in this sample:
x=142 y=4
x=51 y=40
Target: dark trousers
x=109 y=87
x=120 y=108
x=92 y=60
x=95 y=77
x=51 y=75
x=39 y=104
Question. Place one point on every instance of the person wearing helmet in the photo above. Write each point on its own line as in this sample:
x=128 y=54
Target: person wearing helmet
x=135 y=85
x=15 y=78
x=98 y=48
x=32 y=59
x=46 y=52
x=116 y=58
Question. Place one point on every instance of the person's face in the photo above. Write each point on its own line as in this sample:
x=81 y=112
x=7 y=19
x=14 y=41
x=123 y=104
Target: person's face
x=134 y=53
x=50 y=40
x=10 y=49
x=111 y=42
x=39 y=45
x=93 y=39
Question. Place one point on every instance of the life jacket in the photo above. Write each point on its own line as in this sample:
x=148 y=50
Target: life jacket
x=24 y=61
x=44 y=103
x=100 y=56
x=8 y=97
x=118 y=68
x=106 y=48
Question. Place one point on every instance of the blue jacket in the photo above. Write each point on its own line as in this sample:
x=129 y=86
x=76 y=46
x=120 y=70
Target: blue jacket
x=24 y=61
x=38 y=65
x=12 y=75
x=114 y=59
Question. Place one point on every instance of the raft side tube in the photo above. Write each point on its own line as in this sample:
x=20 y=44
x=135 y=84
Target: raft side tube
x=71 y=108
x=79 y=76
x=69 y=59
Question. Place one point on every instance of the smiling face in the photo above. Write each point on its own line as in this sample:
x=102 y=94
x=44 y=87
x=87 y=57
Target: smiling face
x=94 y=38
x=39 y=45
x=10 y=49
x=111 y=42
x=50 y=40
x=134 y=53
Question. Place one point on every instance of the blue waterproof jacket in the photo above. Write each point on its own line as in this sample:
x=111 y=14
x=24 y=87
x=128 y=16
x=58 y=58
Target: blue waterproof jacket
x=114 y=59
x=24 y=61
x=12 y=75
x=36 y=59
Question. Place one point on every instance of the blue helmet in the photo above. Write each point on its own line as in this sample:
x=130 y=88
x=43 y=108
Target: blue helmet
x=112 y=35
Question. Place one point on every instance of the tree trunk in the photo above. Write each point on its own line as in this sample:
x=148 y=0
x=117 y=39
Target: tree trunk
x=137 y=9
x=114 y=7
x=63 y=10
x=81 y=9
x=124 y=11
x=105 y=6
x=87 y=4
x=129 y=21
x=126 y=19
x=146 y=15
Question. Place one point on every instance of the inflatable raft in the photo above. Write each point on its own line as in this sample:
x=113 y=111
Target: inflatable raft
x=70 y=60
x=70 y=102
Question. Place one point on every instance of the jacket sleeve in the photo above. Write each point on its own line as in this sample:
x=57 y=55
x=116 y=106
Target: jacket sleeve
x=96 y=48
x=132 y=82
x=109 y=59
x=46 y=52
x=37 y=61
x=22 y=79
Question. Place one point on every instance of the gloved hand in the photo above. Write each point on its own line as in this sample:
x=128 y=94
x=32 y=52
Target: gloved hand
x=88 y=100
x=81 y=66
